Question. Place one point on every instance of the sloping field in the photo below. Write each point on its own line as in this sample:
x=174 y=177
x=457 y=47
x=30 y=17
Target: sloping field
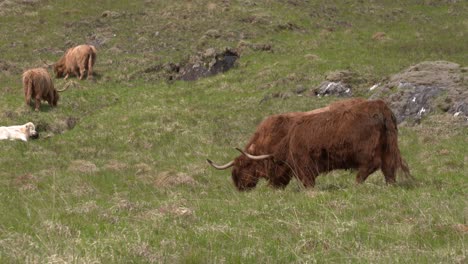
x=119 y=172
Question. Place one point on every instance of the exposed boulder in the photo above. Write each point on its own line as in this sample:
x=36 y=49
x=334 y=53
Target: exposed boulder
x=337 y=83
x=425 y=88
x=332 y=88
x=203 y=64
x=208 y=63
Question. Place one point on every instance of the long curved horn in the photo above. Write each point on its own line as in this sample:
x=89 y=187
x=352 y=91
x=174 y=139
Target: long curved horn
x=47 y=64
x=65 y=87
x=68 y=84
x=220 y=167
x=260 y=157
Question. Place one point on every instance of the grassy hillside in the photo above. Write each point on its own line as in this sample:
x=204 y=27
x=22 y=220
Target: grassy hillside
x=119 y=173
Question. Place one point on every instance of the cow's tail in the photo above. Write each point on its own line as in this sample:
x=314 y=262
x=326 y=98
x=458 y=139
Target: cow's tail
x=91 y=61
x=392 y=156
x=28 y=88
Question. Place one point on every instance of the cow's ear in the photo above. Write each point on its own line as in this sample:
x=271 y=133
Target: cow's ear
x=251 y=148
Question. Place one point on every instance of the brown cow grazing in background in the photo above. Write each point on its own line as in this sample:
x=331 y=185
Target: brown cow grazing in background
x=37 y=84
x=78 y=61
x=363 y=137
x=266 y=138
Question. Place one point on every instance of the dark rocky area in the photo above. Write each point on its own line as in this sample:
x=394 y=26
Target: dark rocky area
x=203 y=64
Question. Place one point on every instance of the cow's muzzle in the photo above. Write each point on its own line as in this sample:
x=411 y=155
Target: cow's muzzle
x=34 y=135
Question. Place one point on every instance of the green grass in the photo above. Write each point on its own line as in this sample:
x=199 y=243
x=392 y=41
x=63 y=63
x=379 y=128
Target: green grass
x=129 y=183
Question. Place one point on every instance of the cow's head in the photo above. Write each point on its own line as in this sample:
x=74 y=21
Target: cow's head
x=247 y=170
x=31 y=130
x=59 y=69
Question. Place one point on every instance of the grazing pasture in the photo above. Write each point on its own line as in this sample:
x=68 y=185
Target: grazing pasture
x=118 y=174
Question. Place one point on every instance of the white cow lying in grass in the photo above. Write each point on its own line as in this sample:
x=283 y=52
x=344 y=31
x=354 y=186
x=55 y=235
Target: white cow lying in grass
x=23 y=132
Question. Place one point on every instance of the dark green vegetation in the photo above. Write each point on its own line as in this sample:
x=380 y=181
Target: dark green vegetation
x=129 y=182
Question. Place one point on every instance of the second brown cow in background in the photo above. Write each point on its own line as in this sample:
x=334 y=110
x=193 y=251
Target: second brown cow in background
x=78 y=60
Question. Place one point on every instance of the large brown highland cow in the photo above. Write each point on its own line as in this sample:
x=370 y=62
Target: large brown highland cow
x=266 y=139
x=37 y=84
x=363 y=137
x=78 y=60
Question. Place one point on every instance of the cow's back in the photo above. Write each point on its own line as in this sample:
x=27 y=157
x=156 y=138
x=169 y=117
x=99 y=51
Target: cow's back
x=337 y=138
x=270 y=132
x=81 y=51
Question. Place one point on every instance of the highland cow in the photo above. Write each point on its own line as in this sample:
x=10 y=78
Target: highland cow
x=37 y=84
x=266 y=139
x=78 y=60
x=363 y=137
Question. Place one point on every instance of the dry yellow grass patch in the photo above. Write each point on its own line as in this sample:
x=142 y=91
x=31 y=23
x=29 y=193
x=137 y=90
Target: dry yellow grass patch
x=83 y=166
x=170 y=178
x=115 y=165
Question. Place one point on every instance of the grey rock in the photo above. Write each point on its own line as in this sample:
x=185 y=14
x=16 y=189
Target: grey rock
x=420 y=89
x=333 y=88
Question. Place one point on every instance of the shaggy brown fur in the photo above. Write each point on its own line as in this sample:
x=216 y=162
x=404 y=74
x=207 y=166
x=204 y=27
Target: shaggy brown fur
x=78 y=61
x=362 y=137
x=37 y=84
x=271 y=130
x=269 y=133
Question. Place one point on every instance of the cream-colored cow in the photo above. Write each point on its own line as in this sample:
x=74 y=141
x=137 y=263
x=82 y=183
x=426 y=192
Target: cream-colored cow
x=23 y=132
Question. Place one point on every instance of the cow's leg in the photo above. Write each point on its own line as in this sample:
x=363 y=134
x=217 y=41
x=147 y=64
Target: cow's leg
x=307 y=179
x=306 y=174
x=37 y=102
x=280 y=177
x=389 y=172
x=368 y=165
x=304 y=169
x=82 y=67
x=389 y=167
x=23 y=137
x=82 y=73
x=90 y=71
x=280 y=183
x=77 y=73
x=364 y=172
x=66 y=76
x=50 y=100
x=28 y=94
